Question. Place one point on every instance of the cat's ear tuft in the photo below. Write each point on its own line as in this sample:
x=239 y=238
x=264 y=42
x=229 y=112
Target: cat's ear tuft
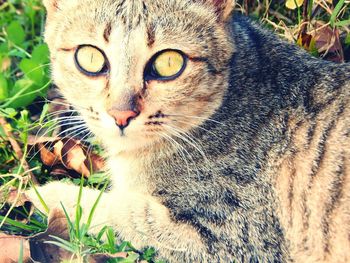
x=224 y=8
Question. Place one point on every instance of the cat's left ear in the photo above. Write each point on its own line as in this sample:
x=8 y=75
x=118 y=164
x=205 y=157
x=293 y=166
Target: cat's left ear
x=223 y=8
x=52 y=6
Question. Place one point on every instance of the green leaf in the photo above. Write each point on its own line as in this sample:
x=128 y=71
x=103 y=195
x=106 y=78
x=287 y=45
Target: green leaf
x=3 y=88
x=20 y=258
x=44 y=112
x=41 y=54
x=4 y=48
x=110 y=237
x=19 y=96
x=15 y=33
x=347 y=39
x=148 y=253
x=130 y=259
x=343 y=23
x=33 y=70
x=10 y=112
x=336 y=11
x=17 y=53
x=2 y=132
x=18 y=224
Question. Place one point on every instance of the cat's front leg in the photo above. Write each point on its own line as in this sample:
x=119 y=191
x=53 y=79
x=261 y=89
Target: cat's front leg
x=58 y=194
x=136 y=217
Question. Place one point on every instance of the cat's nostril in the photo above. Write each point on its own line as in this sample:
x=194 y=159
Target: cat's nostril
x=123 y=118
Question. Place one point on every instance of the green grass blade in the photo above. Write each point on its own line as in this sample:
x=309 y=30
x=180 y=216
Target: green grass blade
x=70 y=223
x=343 y=23
x=19 y=225
x=336 y=11
x=47 y=210
x=92 y=211
x=20 y=258
x=79 y=210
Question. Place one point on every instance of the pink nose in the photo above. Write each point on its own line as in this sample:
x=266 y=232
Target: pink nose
x=123 y=118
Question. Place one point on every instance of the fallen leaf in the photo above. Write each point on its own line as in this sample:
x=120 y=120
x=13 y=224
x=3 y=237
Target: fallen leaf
x=328 y=43
x=72 y=156
x=47 y=157
x=11 y=247
x=15 y=197
x=67 y=155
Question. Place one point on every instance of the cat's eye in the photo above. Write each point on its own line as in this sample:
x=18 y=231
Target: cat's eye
x=166 y=65
x=90 y=60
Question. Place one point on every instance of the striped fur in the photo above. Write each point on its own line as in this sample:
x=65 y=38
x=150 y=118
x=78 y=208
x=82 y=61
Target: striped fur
x=244 y=157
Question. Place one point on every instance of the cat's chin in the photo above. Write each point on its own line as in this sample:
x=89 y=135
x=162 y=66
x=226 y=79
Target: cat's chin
x=125 y=144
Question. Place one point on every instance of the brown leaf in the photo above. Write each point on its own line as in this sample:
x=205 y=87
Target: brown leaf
x=95 y=161
x=73 y=157
x=327 y=41
x=45 y=252
x=67 y=156
x=11 y=247
x=59 y=171
x=47 y=157
x=14 y=197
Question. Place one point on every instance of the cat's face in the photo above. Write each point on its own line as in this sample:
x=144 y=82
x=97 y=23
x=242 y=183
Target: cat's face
x=140 y=72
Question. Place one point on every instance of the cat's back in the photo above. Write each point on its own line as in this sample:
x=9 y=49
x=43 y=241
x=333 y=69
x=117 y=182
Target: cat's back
x=311 y=176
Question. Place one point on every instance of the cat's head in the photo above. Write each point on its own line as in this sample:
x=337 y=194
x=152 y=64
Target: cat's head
x=140 y=71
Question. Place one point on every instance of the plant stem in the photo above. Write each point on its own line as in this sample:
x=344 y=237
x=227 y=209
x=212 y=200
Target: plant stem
x=17 y=149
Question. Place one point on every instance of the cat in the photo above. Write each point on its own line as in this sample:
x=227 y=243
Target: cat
x=225 y=143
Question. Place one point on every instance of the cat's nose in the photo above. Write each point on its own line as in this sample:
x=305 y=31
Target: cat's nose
x=123 y=118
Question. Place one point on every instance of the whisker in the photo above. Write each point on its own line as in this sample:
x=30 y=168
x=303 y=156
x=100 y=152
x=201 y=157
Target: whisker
x=198 y=127
x=185 y=137
x=57 y=136
x=179 y=147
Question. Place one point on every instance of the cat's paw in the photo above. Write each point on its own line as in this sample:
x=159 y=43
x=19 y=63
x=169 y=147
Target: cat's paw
x=54 y=195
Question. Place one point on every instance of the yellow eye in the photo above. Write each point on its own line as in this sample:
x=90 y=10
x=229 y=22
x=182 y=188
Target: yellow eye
x=169 y=63
x=90 y=59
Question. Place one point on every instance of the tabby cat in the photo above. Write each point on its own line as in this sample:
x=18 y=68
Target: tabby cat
x=224 y=142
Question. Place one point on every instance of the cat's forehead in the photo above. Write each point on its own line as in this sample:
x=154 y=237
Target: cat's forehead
x=174 y=14
x=166 y=21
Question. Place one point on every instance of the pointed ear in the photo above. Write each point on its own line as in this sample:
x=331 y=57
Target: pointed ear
x=51 y=6
x=224 y=8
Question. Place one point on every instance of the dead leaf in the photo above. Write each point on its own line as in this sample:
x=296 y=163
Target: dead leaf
x=67 y=155
x=11 y=247
x=38 y=249
x=47 y=157
x=73 y=156
x=45 y=252
x=328 y=43
x=14 y=197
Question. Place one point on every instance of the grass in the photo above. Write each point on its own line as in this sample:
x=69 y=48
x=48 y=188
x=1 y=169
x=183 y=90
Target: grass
x=25 y=81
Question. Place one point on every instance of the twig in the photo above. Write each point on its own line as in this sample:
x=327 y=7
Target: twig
x=17 y=149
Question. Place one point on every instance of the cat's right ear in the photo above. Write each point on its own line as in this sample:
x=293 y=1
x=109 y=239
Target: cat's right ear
x=223 y=8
